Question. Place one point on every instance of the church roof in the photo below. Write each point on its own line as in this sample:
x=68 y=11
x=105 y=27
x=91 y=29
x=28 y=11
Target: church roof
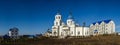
x=99 y=22
x=13 y=29
x=70 y=16
x=58 y=12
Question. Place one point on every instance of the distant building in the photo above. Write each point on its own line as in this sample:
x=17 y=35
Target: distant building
x=6 y=37
x=102 y=27
x=28 y=36
x=13 y=33
x=118 y=33
x=39 y=35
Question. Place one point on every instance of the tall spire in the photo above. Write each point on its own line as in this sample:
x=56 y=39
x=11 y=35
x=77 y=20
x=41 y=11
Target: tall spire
x=58 y=12
x=70 y=15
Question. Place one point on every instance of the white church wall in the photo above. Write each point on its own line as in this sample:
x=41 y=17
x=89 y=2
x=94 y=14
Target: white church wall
x=71 y=29
x=86 y=31
x=79 y=31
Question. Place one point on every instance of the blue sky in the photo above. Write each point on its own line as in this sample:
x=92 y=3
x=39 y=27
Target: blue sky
x=36 y=16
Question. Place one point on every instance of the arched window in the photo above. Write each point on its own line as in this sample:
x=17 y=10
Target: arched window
x=95 y=31
x=68 y=22
x=56 y=23
x=55 y=32
x=58 y=17
x=72 y=32
x=78 y=32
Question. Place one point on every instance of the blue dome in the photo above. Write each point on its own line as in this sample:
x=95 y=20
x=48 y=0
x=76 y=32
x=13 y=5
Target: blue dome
x=107 y=21
x=94 y=23
x=70 y=17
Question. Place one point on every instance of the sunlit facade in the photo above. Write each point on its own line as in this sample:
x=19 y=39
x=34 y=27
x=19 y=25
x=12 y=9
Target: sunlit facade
x=102 y=27
x=69 y=29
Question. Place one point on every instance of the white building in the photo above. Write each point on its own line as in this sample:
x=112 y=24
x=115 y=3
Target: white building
x=13 y=33
x=70 y=29
x=102 y=27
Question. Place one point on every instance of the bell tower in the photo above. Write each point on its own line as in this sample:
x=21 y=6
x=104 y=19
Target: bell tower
x=57 y=21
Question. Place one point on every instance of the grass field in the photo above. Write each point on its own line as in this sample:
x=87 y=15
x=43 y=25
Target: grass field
x=93 y=40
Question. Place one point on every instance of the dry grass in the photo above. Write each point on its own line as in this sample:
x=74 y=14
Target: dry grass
x=94 y=40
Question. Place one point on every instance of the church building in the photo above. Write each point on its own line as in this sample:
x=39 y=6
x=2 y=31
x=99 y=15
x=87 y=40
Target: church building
x=70 y=28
